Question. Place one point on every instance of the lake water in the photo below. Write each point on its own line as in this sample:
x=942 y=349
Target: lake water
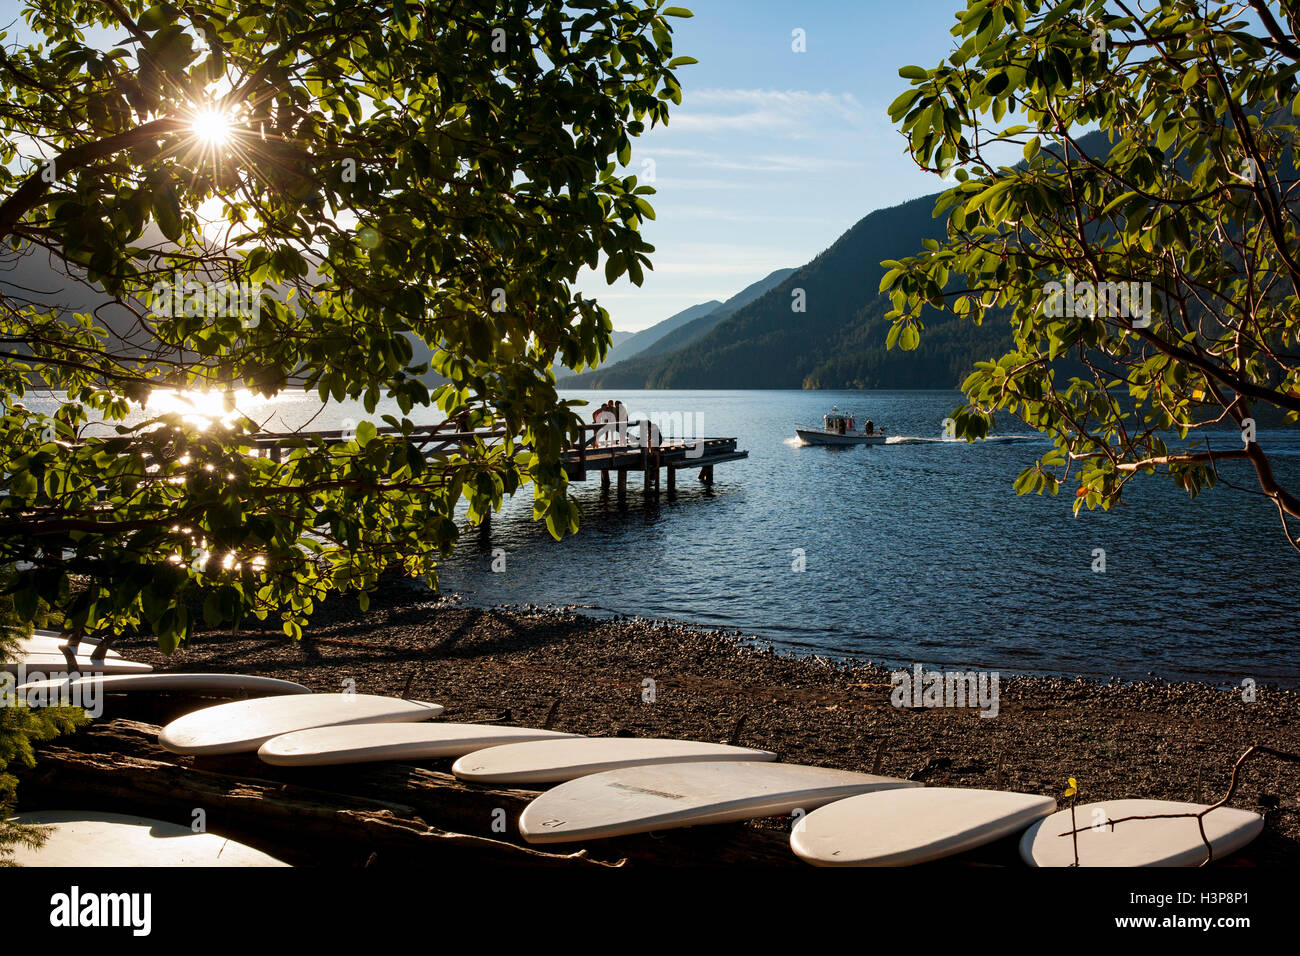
x=915 y=551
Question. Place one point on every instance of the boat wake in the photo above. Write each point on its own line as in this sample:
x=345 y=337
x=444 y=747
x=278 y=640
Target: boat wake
x=917 y=440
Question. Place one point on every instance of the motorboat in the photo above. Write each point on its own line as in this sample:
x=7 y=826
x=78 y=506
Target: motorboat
x=840 y=428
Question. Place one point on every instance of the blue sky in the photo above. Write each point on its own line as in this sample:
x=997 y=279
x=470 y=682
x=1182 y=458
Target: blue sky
x=773 y=154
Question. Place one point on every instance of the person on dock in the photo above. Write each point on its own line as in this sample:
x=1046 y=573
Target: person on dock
x=620 y=413
x=605 y=417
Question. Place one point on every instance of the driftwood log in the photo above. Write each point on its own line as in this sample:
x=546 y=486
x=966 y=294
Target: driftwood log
x=359 y=815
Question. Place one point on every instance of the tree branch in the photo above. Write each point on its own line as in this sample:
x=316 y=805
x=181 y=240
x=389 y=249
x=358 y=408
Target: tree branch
x=1198 y=458
x=29 y=194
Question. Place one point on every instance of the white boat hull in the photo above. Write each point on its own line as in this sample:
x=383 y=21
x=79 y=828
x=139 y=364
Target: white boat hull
x=815 y=436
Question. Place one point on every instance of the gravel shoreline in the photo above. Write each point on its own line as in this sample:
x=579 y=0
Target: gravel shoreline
x=520 y=665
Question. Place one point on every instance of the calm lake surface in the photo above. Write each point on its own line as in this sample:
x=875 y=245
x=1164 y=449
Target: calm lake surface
x=915 y=551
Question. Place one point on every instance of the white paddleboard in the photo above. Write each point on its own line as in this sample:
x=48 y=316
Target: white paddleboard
x=663 y=796
x=56 y=663
x=553 y=761
x=362 y=743
x=62 y=635
x=1172 y=841
x=904 y=827
x=218 y=684
x=77 y=838
x=244 y=725
x=53 y=644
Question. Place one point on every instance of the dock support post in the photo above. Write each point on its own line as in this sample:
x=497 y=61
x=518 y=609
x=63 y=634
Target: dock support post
x=672 y=481
x=604 y=479
x=622 y=482
x=706 y=474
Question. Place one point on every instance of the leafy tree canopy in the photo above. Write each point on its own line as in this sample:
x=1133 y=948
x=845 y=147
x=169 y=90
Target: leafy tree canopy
x=1196 y=195
x=381 y=173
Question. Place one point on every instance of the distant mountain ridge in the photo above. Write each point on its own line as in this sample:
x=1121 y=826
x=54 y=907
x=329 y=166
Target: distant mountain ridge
x=636 y=342
x=696 y=329
x=682 y=329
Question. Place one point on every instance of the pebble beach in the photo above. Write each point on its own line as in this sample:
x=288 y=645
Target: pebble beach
x=631 y=676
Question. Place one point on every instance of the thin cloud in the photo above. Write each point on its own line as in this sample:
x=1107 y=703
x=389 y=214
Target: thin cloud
x=794 y=112
x=762 y=163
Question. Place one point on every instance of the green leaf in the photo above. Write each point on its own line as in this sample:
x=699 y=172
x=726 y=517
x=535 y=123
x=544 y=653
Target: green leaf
x=902 y=103
x=167 y=212
x=156 y=17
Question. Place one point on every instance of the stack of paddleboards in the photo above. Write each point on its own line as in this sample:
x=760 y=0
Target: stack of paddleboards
x=603 y=787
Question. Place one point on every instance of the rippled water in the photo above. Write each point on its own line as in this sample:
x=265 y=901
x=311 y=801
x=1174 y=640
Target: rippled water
x=915 y=551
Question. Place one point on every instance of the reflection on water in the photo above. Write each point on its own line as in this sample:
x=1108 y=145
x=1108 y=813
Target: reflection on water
x=202 y=408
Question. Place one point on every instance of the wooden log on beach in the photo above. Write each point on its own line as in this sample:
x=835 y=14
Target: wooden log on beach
x=339 y=816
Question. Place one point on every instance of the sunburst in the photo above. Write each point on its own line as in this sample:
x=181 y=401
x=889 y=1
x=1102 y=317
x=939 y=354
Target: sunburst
x=214 y=128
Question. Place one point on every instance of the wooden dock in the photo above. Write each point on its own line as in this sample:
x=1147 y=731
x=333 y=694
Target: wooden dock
x=612 y=450
x=632 y=449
